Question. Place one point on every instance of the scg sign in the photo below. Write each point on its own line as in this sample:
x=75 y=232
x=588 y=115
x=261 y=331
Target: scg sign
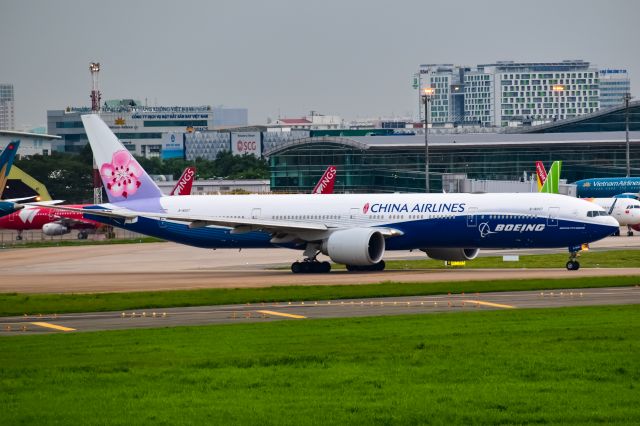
x=246 y=143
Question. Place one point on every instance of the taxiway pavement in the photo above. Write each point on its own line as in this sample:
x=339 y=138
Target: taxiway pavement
x=226 y=314
x=169 y=266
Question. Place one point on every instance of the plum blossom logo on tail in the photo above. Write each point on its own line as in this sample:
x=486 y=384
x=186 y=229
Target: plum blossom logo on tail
x=121 y=175
x=365 y=209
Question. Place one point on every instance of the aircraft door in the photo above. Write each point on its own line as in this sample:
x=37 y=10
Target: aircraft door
x=255 y=213
x=472 y=215
x=552 y=220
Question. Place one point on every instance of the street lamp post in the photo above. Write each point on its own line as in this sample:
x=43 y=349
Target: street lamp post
x=627 y=98
x=558 y=88
x=427 y=93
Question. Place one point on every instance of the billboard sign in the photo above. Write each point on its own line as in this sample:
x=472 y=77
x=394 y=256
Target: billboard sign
x=246 y=143
x=172 y=145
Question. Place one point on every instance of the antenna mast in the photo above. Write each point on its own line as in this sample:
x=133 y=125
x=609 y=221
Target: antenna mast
x=94 y=68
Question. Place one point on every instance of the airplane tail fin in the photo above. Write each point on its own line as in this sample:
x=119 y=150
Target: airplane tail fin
x=551 y=183
x=6 y=161
x=183 y=186
x=326 y=182
x=541 y=174
x=123 y=177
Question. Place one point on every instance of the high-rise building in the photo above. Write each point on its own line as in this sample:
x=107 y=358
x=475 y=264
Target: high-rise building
x=447 y=101
x=7 y=109
x=509 y=93
x=614 y=84
x=531 y=92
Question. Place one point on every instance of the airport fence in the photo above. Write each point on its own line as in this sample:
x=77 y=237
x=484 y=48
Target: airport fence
x=9 y=238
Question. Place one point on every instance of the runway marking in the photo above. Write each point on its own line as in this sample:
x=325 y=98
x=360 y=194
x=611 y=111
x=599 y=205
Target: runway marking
x=281 y=314
x=54 y=326
x=495 y=305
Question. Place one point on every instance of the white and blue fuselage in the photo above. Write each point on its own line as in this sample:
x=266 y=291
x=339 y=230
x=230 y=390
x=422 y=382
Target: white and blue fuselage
x=523 y=220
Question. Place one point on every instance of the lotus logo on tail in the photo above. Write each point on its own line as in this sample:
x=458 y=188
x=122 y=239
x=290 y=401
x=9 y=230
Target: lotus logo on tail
x=365 y=209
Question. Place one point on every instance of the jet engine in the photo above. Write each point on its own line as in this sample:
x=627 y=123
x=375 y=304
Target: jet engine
x=452 y=253
x=52 y=229
x=356 y=246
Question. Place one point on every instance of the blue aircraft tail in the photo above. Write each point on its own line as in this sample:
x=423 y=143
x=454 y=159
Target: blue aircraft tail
x=6 y=161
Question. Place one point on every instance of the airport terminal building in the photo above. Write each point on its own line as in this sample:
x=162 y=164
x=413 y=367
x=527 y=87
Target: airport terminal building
x=145 y=131
x=590 y=146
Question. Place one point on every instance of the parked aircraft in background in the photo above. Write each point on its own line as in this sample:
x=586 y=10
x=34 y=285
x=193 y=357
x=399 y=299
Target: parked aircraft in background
x=541 y=174
x=624 y=209
x=184 y=184
x=54 y=222
x=326 y=182
x=607 y=187
x=353 y=229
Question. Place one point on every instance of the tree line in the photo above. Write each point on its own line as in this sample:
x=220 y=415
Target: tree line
x=69 y=177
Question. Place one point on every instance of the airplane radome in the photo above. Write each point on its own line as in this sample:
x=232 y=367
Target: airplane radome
x=352 y=229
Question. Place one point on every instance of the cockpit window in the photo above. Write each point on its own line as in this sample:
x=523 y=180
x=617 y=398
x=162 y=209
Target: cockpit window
x=596 y=213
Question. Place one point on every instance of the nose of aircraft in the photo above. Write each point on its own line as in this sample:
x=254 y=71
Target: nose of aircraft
x=609 y=221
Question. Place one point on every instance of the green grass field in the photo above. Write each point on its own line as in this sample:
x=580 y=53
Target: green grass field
x=33 y=304
x=588 y=259
x=548 y=366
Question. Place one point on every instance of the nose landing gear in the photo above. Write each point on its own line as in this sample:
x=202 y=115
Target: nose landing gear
x=573 y=264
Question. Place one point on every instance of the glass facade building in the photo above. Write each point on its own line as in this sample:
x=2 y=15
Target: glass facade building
x=614 y=84
x=591 y=147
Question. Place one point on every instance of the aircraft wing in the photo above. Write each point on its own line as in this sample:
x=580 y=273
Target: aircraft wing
x=239 y=225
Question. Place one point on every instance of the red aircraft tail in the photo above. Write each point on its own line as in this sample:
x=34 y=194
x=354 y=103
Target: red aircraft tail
x=325 y=184
x=183 y=187
x=541 y=172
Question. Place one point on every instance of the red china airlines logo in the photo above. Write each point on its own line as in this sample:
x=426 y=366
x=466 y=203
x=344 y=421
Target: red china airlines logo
x=365 y=209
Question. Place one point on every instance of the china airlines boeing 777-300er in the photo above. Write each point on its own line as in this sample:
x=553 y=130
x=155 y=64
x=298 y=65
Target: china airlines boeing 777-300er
x=352 y=229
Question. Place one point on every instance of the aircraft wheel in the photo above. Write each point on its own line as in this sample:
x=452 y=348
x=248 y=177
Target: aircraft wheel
x=629 y=233
x=379 y=266
x=573 y=265
x=325 y=267
x=617 y=233
x=352 y=268
x=18 y=237
x=296 y=268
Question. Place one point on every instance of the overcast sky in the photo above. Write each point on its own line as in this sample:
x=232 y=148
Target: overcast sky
x=350 y=58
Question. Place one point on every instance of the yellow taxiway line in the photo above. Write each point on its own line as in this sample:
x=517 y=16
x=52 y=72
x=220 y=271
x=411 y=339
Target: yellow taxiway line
x=281 y=314
x=54 y=326
x=494 y=305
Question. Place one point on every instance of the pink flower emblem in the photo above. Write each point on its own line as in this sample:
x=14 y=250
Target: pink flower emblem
x=121 y=175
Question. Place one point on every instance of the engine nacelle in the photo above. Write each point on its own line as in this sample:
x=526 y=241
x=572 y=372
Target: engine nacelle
x=452 y=253
x=356 y=246
x=52 y=229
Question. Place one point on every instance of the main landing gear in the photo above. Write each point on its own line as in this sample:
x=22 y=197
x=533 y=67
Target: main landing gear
x=83 y=235
x=375 y=267
x=311 y=265
x=308 y=266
